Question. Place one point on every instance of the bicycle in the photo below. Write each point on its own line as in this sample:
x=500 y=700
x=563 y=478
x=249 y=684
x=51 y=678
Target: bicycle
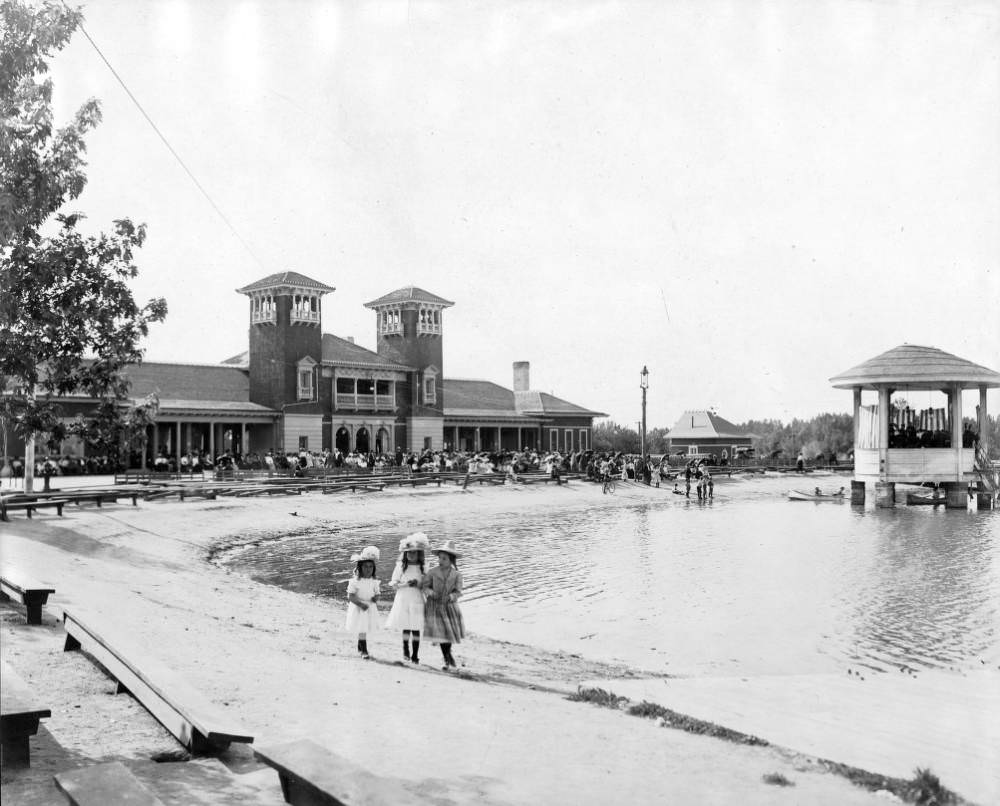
x=609 y=485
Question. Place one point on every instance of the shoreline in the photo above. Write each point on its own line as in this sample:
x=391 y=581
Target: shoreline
x=279 y=659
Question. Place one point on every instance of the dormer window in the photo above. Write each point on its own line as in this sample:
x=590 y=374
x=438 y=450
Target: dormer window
x=306 y=374
x=429 y=385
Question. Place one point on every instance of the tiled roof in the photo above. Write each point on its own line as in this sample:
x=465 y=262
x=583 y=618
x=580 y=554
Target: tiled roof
x=408 y=294
x=341 y=351
x=189 y=381
x=911 y=365
x=286 y=278
x=170 y=405
x=705 y=425
x=239 y=360
x=466 y=395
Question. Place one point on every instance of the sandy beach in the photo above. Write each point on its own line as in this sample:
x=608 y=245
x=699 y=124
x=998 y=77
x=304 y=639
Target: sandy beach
x=500 y=731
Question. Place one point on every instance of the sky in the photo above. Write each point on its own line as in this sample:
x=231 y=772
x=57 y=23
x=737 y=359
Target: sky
x=745 y=197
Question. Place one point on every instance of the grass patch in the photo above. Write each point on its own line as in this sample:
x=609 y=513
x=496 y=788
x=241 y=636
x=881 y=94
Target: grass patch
x=597 y=696
x=777 y=779
x=650 y=710
x=924 y=789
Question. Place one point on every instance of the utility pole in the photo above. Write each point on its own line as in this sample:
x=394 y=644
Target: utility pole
x=644 y=385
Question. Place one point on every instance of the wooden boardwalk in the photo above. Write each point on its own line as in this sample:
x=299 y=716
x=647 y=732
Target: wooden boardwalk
x=887 y=723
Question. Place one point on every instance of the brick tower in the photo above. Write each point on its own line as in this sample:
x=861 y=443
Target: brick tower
x=409 y=331
x=286 y=341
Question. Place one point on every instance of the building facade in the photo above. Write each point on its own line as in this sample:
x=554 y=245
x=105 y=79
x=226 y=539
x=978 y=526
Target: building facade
x=296 y=388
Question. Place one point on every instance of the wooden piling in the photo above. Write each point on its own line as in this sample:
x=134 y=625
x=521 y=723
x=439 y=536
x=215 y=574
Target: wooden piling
x=885 y=494
x=858 y=493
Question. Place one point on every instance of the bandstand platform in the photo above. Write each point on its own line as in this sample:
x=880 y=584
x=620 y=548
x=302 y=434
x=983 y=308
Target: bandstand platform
x=896 y=443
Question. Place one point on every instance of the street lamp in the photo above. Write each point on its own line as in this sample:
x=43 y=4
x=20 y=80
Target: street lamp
x=644 y=385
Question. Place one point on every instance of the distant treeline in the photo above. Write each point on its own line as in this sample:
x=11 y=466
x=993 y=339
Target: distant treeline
x=823 y=435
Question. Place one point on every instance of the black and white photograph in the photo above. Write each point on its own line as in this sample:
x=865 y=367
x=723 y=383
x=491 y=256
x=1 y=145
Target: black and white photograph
x=506 y=402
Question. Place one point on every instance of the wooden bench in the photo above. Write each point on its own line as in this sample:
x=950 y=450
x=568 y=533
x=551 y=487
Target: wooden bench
x=20 y=712
x=102 y=784
x=26 y=504
x=30 y=593
x=196 y=723
x=311 y=775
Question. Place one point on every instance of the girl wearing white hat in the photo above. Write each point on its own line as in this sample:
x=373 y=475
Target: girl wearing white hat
x=362 y=590
x=407 y=612
x=443 y=622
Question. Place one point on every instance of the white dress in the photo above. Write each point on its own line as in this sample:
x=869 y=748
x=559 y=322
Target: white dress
x=359 y=620
x=408 y=607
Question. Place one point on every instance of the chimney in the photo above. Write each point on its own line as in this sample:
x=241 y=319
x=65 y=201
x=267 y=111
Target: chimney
x=351 y=339
x=522 y=382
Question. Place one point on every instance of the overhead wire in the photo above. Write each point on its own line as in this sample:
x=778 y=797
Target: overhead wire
x=171 y=149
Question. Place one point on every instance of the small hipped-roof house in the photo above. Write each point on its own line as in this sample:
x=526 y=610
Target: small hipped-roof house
x=703 y=432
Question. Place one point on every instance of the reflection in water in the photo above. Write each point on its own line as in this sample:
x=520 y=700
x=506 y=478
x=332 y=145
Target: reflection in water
x=748 y=583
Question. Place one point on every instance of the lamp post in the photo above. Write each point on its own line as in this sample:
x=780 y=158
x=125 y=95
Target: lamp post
x=644 y=385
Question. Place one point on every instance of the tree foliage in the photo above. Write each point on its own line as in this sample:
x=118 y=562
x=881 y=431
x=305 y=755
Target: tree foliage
x=68 y=322
x=824 y=435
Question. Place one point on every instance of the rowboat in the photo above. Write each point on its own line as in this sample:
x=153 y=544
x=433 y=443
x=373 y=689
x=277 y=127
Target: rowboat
x=798 y=495
x=913 y=499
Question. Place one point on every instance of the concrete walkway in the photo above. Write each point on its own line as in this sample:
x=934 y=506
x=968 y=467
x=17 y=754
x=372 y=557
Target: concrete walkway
x=889 y=723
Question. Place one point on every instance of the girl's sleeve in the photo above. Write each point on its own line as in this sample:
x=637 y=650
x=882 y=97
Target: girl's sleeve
x=458 y=584
x=352 y=586
x=397 y=575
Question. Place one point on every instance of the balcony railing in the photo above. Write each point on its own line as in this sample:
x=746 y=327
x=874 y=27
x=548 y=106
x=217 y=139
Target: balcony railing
x=257 y=317
x=346 y=400
x=428 y=327
x=390 y=329
x=304 y=316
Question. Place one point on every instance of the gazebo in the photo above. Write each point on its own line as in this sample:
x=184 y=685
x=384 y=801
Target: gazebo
x=894 y=444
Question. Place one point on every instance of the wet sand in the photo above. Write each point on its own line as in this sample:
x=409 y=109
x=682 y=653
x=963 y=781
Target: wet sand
x=500 y=731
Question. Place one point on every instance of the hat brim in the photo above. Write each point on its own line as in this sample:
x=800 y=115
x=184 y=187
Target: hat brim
x=442 y=549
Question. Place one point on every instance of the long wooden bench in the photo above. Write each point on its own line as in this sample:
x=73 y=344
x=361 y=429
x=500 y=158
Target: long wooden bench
x=311 y=775
x=32 y=594
x=24 y=504
x=20 y=712
x=196 y=723
x=103 y=784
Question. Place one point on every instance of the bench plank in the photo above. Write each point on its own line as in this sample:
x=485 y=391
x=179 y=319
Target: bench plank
x=30 y=593
x=20 y=711
x=196 y=723
x=101 y=784
x=30 y=506
x=311 y=775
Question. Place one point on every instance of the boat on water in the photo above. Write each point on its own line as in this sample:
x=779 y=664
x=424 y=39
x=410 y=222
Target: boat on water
x=798 y=495
x=915 y=499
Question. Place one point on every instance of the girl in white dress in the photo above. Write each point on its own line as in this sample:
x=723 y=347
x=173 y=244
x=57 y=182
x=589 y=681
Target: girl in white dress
x=362 y=590
x=407 y=612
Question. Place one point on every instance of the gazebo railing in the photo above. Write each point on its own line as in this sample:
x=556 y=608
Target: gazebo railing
x=987 y=471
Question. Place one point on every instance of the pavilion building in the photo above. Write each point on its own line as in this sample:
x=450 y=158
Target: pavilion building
x=896 y=443
x=296 y=388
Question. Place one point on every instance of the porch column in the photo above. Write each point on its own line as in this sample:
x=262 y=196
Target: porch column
x=187 y=442
x=956 y=428
x=145 y=446
x=499 y=445
x=244 y=446
x=883 y=432
x=520 y=445
x=857 y=414
x=476 y=445
x=983 y=422
x=211 y=442
x=156 y=440
x=177 y=444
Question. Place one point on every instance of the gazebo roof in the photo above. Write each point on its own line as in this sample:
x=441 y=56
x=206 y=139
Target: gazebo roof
x=911 y=366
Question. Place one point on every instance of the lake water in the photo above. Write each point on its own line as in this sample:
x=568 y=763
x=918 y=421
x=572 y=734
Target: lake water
x=750 y=583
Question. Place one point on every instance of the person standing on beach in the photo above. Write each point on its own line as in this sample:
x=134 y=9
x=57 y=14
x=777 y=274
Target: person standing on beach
x=407 y=612
x=443 y=622
x=362 y=591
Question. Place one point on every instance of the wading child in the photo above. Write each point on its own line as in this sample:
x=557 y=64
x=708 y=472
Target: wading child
x=407 y=612
x=362 y=591
x=443 y=623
